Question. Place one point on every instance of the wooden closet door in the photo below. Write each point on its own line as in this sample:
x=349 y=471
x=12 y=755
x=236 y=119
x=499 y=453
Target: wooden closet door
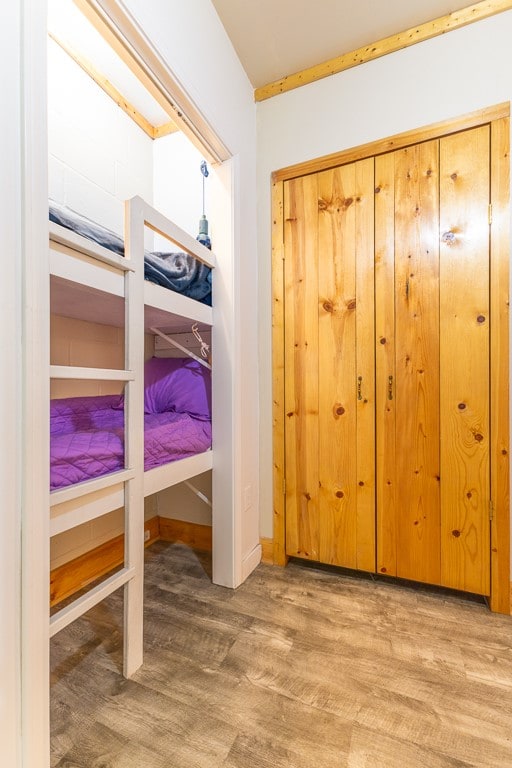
x=432 y=359
x=329 y=367
x=407 y=348
x=465 y=358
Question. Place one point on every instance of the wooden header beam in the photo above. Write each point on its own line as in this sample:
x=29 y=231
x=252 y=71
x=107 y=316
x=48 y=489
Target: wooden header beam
x=418 y=34
x=153 y=131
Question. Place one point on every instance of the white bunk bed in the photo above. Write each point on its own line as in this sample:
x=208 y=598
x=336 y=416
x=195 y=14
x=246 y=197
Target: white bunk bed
x=90 y=282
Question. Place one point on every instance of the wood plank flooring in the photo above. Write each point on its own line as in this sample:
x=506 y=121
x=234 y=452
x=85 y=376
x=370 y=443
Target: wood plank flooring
x=298 y=668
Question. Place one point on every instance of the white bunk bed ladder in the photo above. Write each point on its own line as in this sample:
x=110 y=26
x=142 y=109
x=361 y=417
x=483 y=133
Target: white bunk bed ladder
x=131 y=576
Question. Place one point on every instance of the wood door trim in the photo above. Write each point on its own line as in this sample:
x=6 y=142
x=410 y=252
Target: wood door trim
x=500 y=438
x=399 y=141
x=278 y=416
x=498 y=116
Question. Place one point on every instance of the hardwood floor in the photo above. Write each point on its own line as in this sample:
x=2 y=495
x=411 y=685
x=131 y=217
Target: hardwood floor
x=298 y=668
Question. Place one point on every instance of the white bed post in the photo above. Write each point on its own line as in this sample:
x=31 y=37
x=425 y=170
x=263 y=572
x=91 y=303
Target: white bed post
x=134 y=441
x=10 y=385
x=34 y=339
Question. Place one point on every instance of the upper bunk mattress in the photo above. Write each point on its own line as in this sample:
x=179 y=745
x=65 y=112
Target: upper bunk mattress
x=177 y=271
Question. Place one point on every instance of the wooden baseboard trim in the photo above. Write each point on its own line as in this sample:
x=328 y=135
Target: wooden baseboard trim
x=193 y=534
x=73 y=576
x=267 y=551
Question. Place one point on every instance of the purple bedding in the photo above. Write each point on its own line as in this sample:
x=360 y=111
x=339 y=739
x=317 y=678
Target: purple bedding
x=87 y=433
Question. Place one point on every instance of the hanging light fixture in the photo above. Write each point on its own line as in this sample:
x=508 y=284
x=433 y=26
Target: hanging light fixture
x=203 y=236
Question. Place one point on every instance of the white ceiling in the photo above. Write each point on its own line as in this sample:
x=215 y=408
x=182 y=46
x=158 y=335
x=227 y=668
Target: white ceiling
x=274 y=38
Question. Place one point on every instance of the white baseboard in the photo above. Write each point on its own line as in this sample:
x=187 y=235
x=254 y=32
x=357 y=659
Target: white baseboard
x=250 y=561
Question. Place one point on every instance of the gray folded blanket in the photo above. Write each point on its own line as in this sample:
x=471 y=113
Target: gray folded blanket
x=178 y=271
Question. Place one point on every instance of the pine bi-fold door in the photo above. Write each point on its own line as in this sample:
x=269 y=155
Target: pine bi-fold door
x=390 y=328
x=329 y=364
x=433 y=361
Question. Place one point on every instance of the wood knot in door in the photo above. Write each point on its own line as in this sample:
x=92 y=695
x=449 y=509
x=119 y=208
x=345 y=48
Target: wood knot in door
x=351 y=304
x=338 y=410
x=328 y=306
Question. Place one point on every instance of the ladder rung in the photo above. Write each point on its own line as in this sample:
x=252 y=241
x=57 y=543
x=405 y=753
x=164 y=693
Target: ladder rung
x=77 y=608
x=90 y=486
x=96 y=374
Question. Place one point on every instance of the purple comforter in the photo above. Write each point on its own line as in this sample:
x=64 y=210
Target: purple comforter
x=86 y=438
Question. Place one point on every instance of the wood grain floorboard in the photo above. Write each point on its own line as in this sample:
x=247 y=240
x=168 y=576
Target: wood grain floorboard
x=298 y=668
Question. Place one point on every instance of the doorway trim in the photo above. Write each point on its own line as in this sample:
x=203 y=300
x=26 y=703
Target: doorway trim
x=498 y=117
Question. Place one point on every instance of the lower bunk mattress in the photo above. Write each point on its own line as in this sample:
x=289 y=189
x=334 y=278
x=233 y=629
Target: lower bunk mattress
x=87 y=433
x=94 y=447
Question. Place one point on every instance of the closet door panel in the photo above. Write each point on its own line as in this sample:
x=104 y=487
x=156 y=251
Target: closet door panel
x=329 y=367
x=414 y=388
x=346 y=373
x=387 y=523
x=464 y=227
x=365 y=363
x=337 y=360
x=417 y=361
x=301 y=365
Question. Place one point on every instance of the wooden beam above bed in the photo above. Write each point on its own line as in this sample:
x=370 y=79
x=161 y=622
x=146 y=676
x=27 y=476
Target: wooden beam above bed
x=153 y=131
x=417 y=34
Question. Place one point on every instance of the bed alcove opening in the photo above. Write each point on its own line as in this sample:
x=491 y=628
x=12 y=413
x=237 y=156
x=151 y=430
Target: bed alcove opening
x=101 y=152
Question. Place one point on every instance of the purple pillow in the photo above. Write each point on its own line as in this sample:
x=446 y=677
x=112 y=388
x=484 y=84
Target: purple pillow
x=177 y=384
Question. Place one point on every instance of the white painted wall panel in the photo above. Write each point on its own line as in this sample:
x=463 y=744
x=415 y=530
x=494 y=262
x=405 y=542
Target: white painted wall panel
x=177 y=183
x=98 y=156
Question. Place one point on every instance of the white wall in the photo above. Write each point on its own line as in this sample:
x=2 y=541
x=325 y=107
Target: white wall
x=192 y=41
x=451 y=75
x=98 y=156
x=177 y=183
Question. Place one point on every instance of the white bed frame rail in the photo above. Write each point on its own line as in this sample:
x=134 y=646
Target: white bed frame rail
x=86 y=501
